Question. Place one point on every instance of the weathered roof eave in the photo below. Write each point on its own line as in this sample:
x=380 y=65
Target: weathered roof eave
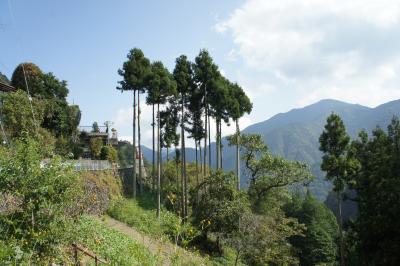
x=6 y=88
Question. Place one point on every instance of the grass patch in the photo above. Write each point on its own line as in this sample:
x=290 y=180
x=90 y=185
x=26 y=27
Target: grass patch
x=141 y=214
x=110 y=244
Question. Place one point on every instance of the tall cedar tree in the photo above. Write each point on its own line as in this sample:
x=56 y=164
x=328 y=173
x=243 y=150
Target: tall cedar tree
x=334 y=143
x=206 y=72
x=134 y=72
x=196 y=130
x=183 y=75
x=161 y=87
x=219 y=100
x=239 y=104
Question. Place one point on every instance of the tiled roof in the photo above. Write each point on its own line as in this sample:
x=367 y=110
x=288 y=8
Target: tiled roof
x=6 y=88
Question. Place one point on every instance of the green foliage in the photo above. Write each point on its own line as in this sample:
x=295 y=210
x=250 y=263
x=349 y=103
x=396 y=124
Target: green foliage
x=109 y=153
x=95 y=127
x=125 y=153
x=50 y=108
x=220 y=205
x=4 y=79
x=95 y=146
x=27 y=73
x=268 y=173
x=334 y=143
x=38 y=196
x=338 y=165
x=239 y=103
x=317 y=245
x=205 y=70
x=267 y=239
x=20 y=120
x=377 y=187
x=134 y=71
x=40 y=85
x=161 y=85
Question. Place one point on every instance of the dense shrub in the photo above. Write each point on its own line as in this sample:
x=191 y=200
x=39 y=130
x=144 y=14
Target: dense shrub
x=36 y=196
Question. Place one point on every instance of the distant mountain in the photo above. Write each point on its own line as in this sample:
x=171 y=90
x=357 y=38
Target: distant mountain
x=295 y=134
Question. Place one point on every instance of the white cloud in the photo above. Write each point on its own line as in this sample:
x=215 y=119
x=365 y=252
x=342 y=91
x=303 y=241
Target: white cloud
x=123 y=122
x=333 y=48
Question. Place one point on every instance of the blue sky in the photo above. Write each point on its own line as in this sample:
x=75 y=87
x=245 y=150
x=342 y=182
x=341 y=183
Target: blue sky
x=285 y=54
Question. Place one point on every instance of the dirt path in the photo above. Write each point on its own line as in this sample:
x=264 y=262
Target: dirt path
x=166 y=251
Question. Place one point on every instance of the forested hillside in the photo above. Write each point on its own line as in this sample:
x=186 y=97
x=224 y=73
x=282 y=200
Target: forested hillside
x=295 y=134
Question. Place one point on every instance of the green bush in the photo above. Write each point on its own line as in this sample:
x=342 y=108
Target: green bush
x=109 y=153
x=36 y=197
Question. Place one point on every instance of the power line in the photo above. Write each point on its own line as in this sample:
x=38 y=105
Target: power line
x=23 y=67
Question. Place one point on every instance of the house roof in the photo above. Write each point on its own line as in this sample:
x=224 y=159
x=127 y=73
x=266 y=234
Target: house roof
x=6 y=88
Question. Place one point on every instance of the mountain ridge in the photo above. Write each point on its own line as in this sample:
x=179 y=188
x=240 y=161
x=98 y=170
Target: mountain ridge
x=294 y=134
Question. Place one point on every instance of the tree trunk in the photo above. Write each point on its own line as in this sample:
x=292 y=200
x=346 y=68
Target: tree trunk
x=340 y=222
x=134 y=144
x=237 y=154
x=177 y=172
x=201 y=160
x=158 y=165
x=186 y=179
x=197 y=164
x=237 y=257
x=153 y=174
x=140 y=149
x=220 y=145
x=161 y=159
x=209 y=143
x=185 y=196
x=205 y=132
x=167 y=155
x=182 y=164
x=217 y=143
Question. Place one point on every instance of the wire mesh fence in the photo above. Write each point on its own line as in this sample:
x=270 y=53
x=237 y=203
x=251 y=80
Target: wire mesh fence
x=91 y=165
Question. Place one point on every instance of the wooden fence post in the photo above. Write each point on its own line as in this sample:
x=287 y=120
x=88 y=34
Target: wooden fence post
x=75 y=254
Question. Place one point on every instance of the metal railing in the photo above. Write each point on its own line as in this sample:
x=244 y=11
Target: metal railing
x=77 y=248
